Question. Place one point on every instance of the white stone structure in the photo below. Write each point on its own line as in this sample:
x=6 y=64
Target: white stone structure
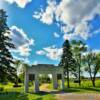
x=43 y=69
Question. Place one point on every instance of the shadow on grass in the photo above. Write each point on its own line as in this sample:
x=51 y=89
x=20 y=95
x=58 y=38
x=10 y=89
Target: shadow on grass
x=72 y=90
x=40 y=93
x=13 y=96
x=94 y=89
x=40 y=98
x=82 y=89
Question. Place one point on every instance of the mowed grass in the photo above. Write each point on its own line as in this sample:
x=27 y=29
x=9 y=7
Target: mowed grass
x=86 y=87
x=11 y=93
x=26 y=96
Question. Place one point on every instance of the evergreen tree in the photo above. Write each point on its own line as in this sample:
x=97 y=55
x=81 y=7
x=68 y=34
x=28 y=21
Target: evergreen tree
x=66 y=59
x=7 y=72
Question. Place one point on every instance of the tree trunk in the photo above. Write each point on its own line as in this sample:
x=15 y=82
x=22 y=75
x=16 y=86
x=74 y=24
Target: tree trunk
x=68 y=77
x=79 y=70
x=79 y=77
x=92 y=77
x=93 y=82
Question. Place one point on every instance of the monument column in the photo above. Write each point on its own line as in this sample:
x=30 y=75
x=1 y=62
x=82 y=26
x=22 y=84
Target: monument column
x=36 y=83
x=26 y=80
x=55 y=83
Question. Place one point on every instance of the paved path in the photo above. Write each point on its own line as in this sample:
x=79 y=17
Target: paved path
x=60 y=95
x=72 y=96
x=45 y=87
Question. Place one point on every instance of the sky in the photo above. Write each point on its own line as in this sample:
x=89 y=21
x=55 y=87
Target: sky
x=39 y=27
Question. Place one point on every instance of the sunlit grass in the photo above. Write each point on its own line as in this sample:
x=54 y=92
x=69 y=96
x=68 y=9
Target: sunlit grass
x=12 y=93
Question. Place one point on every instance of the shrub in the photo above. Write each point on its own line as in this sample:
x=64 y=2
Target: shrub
x=1 y=89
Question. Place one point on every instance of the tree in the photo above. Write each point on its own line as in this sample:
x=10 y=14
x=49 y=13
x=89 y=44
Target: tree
x=19 y=66
x=78 y=47
x=7 y=72
x=66 y=59
x=92 y=63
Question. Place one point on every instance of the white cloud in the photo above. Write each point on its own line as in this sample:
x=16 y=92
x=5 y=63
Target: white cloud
x=82 y=30
x=51 y=52
x=20 y=3
x=97 y=31
x=21 y=41
x=69 y=36
x=47 y=15
x=1 y=4
x=72 y=14
x=56 y=35
x=37 y=15
x=66 y=29
x=40 y=52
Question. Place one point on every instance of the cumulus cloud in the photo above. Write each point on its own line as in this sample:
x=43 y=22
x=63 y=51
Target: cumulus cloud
x=51 y=52
x=1 y=5
x=72 y=12
x=56 y=35
x=73 y=15
x=21 y=41
x=47 y=15
x=20 y=3
x=82 y=30
x=40 y=52
x=69 y=36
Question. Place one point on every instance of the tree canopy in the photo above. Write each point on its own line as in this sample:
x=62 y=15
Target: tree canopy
x=67 y=60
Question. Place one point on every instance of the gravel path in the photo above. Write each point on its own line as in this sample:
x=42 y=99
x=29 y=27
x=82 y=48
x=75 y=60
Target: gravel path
x=72 y=96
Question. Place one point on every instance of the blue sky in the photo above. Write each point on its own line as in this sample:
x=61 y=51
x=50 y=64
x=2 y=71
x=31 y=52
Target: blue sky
x=39 y=27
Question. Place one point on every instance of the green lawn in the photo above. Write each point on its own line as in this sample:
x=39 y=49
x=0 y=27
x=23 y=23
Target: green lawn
x=86 y=87
x=26 y=96
x=11 y=93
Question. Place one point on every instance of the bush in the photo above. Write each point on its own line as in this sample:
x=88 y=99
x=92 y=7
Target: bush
x=1 y=89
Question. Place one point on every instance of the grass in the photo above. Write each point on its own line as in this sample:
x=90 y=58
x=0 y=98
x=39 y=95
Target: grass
x=26 y=96
x=86 y=87
x=11 y=93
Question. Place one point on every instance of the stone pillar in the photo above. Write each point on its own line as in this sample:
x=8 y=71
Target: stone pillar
x=62 y=85
x=26 y=80
x=36 y=83
x=55 y=83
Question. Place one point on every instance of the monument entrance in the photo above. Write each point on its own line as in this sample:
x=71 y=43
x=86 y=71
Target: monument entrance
x=43 y=69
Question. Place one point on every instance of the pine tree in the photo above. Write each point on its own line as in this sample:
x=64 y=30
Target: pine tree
x=66 y=59
x=7 y=72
